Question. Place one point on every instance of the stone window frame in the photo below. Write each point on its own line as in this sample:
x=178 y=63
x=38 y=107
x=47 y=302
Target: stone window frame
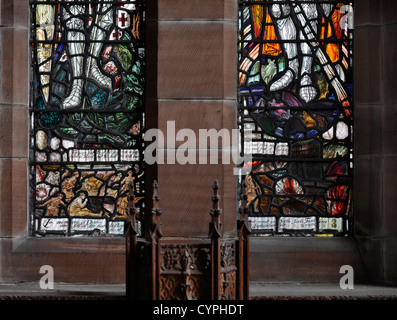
x=315 y=260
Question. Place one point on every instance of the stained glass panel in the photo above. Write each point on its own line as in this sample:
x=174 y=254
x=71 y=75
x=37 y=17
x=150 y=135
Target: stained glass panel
x=296 y=114
x=87 y=114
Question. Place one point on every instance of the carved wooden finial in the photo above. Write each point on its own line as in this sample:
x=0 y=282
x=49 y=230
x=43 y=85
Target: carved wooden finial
x=243 y=210
x=215 y=225
x=215 y=199
x=155 y=224
x=131 y=199
x=156 y=199
x=131 y=225
x=243 y=223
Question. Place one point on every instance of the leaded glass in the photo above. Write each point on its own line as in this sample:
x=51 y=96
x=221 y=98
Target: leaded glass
x=296 y=114
x=87 y=114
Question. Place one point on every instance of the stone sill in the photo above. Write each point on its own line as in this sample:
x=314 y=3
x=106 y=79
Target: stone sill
x=258 y=291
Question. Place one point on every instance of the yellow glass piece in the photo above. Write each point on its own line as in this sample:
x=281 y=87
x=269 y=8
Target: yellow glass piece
x=45 y=19
x=44 y=14
x=252 y=189
x=51 y=167
x=323 y=86
x=91 y=185
x=307 y=119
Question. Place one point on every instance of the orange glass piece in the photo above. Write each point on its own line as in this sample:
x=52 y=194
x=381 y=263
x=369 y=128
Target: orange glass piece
x=272 y=49
x=333 y=51
x=336 y=17
x=257 y=17
x=265 y=204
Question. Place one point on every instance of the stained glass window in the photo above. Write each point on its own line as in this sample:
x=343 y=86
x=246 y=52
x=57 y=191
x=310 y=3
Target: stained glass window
x=295 y=99
x=87 y=114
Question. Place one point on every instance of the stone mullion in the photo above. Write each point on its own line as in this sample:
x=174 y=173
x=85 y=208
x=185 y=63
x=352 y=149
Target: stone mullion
x=191 y=79
x=14 y=99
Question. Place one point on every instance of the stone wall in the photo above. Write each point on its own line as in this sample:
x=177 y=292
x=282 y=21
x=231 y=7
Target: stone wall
x=191 y=79
x=89 y=260
x=375 y=140
x=191 y=76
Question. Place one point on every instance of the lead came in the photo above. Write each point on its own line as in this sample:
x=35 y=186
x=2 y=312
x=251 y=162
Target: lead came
x=295 y=89
x=87 y=113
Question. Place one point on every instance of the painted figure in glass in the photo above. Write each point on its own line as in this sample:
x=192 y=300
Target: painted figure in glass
x=295 y=100
x=306 y=28
x=85 y=65
x=87 y=114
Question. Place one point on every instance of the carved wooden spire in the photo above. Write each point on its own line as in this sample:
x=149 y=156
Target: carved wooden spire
x=131 y=225
x=215 y=212
x=131 y=230
x=156 y=199
x=215 y=234
x=131 y=197
x=156 y=211
x=243 y=209
x=243 y=232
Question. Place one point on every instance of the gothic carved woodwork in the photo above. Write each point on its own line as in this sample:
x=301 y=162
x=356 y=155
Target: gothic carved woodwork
x=160 y=268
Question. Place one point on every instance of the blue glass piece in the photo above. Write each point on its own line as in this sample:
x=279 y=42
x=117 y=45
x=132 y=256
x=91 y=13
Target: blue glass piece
x=312 y=133
x=279 y=132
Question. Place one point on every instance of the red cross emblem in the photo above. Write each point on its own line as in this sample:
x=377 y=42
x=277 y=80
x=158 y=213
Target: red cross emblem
x=116 y=34
x=123 y=20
